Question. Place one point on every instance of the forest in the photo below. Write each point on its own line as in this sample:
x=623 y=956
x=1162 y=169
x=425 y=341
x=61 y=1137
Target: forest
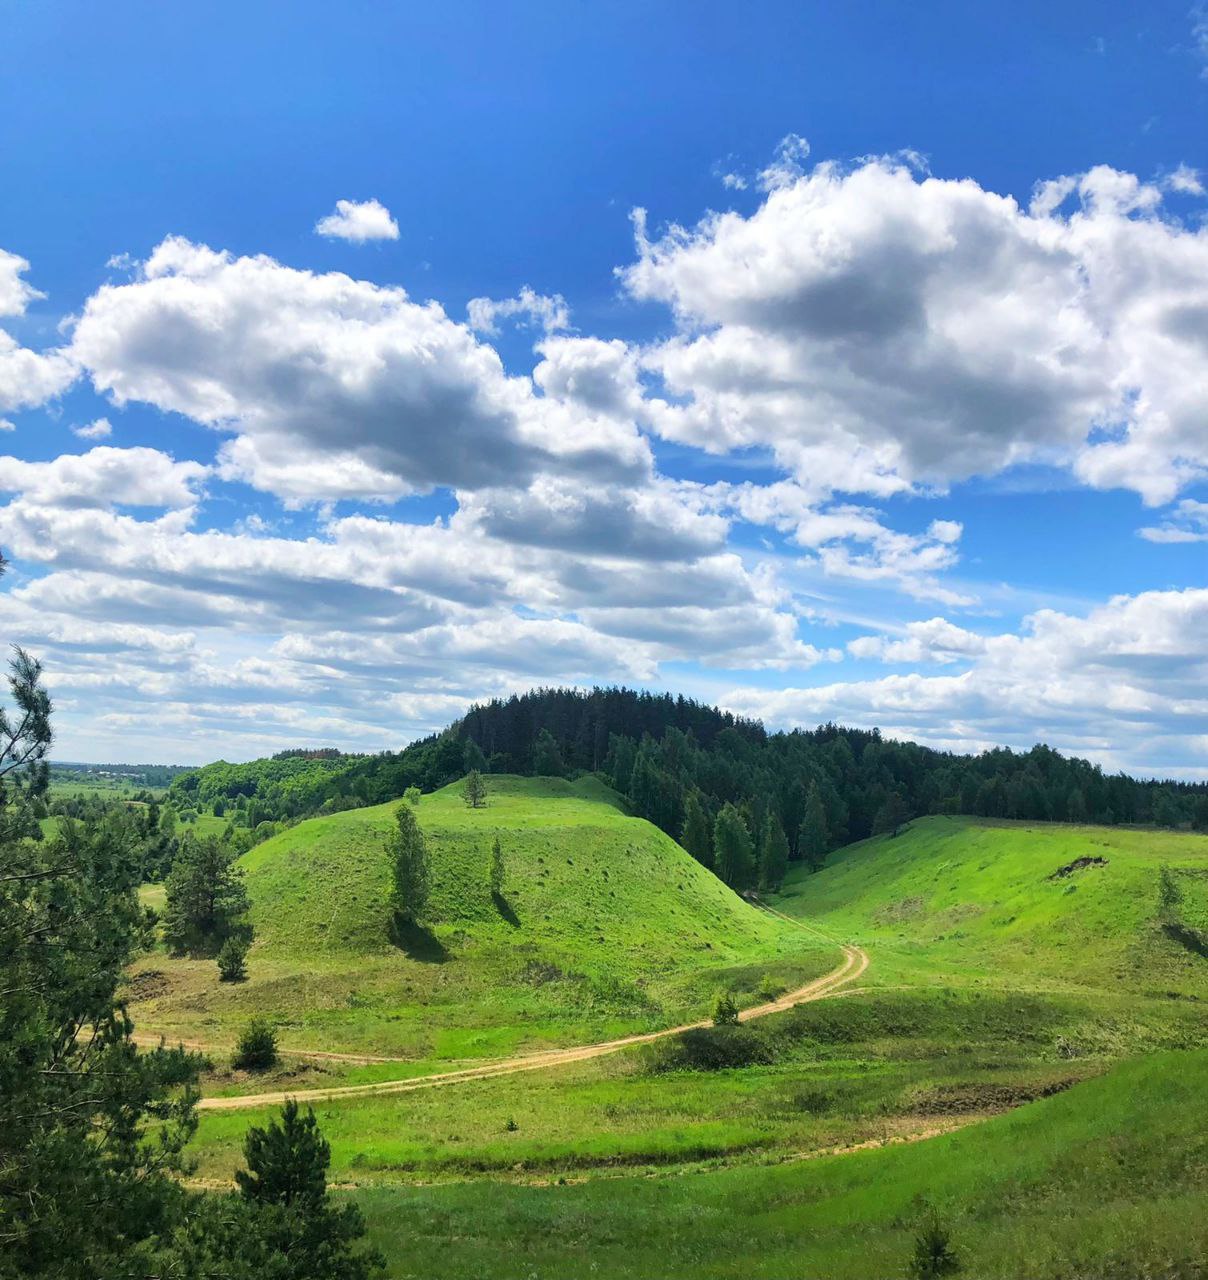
x=681 y=763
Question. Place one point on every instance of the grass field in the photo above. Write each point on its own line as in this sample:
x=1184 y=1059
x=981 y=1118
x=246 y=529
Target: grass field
x=607 y=926
x=995 y=988
x=1105 y=1180
x=962 y=900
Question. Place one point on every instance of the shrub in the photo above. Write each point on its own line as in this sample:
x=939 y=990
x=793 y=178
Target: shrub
x=725 y=1012
x=711 y=1049
x=770 y=987
x=257 y=1049
x=232 y=958
x=933 y=1254
x=412 y=796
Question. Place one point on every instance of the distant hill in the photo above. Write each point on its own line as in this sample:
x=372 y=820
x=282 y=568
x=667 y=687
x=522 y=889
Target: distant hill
x=958 y=899
x=606 y=925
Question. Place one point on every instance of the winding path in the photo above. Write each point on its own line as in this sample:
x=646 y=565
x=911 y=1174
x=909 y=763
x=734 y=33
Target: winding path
x=855 y=961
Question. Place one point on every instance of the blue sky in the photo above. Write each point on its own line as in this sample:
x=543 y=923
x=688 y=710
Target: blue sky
x=860 y=419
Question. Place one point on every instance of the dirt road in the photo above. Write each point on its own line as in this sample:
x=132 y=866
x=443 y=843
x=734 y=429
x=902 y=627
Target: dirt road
x=855 y=961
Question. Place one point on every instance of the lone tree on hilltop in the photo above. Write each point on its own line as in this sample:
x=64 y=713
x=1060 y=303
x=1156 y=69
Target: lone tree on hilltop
x=409 y=858
x=497 y=870
x=474 y=790
x=813 y=839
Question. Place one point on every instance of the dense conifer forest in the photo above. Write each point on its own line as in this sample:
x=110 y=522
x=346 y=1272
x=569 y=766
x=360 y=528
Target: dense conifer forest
x=681 y=764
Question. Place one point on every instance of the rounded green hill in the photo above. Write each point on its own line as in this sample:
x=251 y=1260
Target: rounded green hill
x=605 y=925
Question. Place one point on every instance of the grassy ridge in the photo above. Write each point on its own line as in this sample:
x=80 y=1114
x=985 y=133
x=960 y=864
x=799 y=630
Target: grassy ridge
x=1105 y=1180
x=607 y=926
x=964 y=899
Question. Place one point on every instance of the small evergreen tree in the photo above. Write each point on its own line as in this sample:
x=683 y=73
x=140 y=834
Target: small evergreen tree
x=205 y=898
x=496 y=871
x=287 y=1162
x=409 y=859
x=725 y=1012
x=933 y=1254
x=232 y=960
x=773 y=853
x=697 y=835
x=813 y=839
x=732 y=849
x=257 y=1048
x=474 y=790
x=284 y=1223
x=547 y=759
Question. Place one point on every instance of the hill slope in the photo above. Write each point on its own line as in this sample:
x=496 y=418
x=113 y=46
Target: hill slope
x=1031 y=903
x=607 y=926
x=1105 y=1180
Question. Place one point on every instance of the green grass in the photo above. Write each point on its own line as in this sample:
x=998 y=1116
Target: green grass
x=963 y=899
x=1104 y=1180
x=608 y=927
x=992 y=985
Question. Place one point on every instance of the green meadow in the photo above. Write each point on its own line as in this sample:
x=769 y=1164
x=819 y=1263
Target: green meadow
x=606 y=926
x=1025 y=1053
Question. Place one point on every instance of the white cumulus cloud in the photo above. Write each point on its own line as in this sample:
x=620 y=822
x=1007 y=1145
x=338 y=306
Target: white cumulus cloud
x=358 y=221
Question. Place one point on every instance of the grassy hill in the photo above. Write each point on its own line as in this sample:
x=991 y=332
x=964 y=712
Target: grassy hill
x=607 y=926
x=954 y=900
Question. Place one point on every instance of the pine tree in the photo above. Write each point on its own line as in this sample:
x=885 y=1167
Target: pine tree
x=232 y=961
x=287 y=1162
x=205 y=898
x=735 y=859
x=497 y=870
x=813 y=839
x=409 y=858
x=773 y=853
x=697 y=835
x=474 y=790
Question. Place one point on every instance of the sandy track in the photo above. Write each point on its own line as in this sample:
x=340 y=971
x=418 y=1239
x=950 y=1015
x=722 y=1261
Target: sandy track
x=855 y=961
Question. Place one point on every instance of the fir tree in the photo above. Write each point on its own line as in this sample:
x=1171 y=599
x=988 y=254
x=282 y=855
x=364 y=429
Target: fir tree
x=813 y=840
x=773 y=853
x=697 y=835
x=735 y=859
x=205 y=898
x=408 y=853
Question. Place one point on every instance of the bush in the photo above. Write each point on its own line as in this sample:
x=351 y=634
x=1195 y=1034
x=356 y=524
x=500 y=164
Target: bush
x=725 y=1013
x=770 y=988
x=412 y=796
x=711 y=1049
x=232 y=958
x=257 y=1049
